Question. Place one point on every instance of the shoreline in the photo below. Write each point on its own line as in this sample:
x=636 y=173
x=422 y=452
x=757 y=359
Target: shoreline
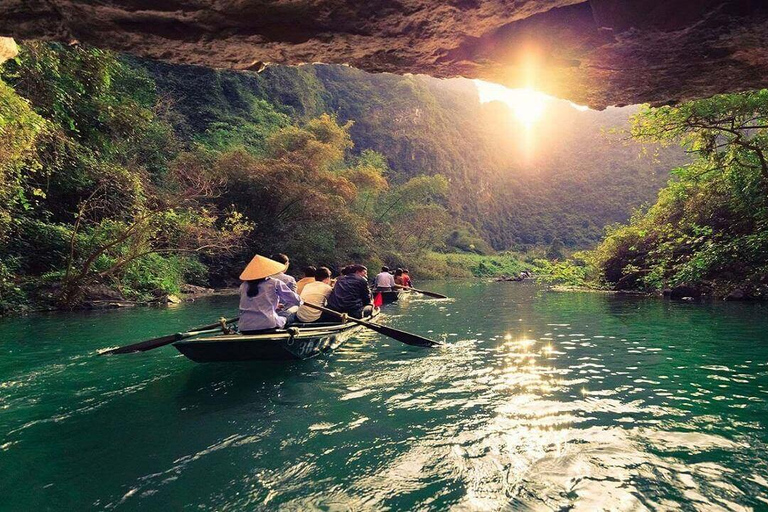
x=110 y=304
x=561 y=288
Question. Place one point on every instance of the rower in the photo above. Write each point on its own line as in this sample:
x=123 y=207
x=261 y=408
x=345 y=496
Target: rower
x=384 y=281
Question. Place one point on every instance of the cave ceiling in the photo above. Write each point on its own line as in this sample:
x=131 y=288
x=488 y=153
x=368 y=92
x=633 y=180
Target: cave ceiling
x=596 y=52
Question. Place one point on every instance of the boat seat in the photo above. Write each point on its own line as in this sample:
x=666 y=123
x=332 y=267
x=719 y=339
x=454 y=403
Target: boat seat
x=297 y=325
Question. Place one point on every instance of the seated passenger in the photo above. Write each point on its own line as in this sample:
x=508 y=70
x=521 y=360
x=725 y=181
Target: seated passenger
x=315 y=292
x=399 y=277
x=289 y=281
x=350 y=294
x=260 y=296
x=309 y=277
x=407 y=279
x=384 y=281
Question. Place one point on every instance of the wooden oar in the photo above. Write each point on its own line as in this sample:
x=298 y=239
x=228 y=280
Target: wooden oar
x=423 y=292
x=143 y=346
x=402 y=336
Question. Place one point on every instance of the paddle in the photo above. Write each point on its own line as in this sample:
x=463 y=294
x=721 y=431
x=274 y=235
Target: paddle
x=402 y=336
x=143 y=346
x=423 y=292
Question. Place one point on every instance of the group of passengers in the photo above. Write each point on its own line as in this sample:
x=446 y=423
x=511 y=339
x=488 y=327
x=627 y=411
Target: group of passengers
x=270 y=298
x=385 y=281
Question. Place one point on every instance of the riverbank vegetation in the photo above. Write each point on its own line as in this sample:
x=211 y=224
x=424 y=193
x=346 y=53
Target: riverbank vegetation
x=707 y=233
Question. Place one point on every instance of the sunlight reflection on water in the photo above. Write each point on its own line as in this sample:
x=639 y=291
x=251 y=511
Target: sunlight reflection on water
x=538 y=402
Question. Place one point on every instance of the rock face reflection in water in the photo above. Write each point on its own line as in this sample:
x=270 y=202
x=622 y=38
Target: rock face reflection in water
x=539 y=401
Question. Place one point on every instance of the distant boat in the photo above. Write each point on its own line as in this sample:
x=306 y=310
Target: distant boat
x=298 y=341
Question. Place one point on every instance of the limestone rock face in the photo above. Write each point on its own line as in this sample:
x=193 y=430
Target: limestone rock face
x=8 y=49
x=596 y=52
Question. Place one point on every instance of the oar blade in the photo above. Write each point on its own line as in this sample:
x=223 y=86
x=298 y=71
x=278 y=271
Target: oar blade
x=430 y=294
x=144 y=345
x=402 y=336
x=423 y=292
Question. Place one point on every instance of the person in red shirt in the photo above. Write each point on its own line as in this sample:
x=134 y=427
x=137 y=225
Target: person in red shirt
x=407 y=279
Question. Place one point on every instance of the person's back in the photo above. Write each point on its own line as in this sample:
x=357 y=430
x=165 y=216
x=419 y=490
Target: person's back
x=316 y=293
x=407 y=279
x=351 y=294
x=259 y=301
x=384 y=280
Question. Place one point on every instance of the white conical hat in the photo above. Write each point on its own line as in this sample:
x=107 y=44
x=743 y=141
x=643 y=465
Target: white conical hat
x=261 y=267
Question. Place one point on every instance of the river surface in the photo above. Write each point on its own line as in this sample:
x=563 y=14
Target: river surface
x=539 y=401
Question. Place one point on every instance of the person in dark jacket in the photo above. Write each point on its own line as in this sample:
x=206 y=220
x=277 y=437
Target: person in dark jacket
x=350 y=294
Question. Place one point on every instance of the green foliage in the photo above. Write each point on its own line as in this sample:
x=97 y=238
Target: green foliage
x=576 y=272
x=434 y=265
x=20 y=129
x=142 y=175
x=555 y=250
x=465 y=239
x=576 y=182
x=12 y=297
x=708 y=227
x=94 y=188
x=156 y=275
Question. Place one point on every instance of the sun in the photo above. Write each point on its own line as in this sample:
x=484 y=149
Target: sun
x=527 y=104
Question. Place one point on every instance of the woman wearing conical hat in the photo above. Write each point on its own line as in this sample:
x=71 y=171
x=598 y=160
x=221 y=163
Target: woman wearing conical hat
x=260 y=296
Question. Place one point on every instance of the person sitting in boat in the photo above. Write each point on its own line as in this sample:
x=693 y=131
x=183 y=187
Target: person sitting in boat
x=407 y=279
x=289 y=281
x=399 y=277
x=350 y=294
x=384 y=281
x=316 y=292
x=309 y=277
x=261 y=294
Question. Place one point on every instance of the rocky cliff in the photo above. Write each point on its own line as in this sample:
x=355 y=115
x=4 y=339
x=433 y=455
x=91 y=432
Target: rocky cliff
x=596 y=52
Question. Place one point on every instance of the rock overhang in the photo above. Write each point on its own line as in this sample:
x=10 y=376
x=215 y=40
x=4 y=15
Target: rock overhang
x=596 y=52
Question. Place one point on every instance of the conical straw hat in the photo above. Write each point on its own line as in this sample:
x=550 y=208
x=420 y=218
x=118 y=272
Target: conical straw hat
x=261 y=267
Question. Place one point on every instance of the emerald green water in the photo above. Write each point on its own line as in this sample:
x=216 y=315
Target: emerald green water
x=540 y=401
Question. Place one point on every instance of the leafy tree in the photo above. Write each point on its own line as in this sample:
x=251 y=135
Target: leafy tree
x=555 y=250
x=708 y=227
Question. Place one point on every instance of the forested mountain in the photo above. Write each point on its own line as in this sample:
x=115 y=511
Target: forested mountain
x=578 y=178
x=138 y=176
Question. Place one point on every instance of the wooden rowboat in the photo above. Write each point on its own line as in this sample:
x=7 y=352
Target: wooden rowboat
x=298 y=341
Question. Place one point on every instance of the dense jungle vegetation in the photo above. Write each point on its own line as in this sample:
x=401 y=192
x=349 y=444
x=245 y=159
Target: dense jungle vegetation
x=579 y=178
x=707 y=234
x=134 y=176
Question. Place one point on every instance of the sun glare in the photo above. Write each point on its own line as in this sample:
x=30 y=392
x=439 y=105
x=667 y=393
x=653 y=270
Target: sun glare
x=527 y=104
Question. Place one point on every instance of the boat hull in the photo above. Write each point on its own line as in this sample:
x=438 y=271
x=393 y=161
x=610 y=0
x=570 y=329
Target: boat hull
x=389 y=296
x=308 y=341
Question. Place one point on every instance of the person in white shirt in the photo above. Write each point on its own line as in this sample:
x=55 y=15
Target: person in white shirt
x=384 y=281
x=316 y=293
